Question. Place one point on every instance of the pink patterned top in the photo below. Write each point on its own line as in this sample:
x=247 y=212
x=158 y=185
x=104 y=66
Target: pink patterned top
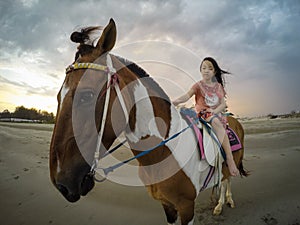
x=208 y=97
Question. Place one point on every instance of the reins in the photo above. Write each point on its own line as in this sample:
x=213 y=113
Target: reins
x=145 y=152
x=109 y=169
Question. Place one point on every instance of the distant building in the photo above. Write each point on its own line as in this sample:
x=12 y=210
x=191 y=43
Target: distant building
x=18 y=120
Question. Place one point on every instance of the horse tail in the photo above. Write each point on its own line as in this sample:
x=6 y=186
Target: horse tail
x=243 y=172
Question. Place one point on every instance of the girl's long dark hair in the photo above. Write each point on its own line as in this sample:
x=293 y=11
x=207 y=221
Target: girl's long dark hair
x=219 y=71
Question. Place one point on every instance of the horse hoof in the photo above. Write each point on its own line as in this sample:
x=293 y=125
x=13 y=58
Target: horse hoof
x=230 y=204
x=217 y=211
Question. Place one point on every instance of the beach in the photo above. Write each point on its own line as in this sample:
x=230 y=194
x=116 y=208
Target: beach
x=269 y=196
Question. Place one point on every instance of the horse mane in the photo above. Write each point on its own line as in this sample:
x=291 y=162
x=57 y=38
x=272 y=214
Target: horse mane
x=141 y=73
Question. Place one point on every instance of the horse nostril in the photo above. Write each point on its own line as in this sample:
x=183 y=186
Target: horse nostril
x=62 y=189
x=87 y=184
x=68 y=194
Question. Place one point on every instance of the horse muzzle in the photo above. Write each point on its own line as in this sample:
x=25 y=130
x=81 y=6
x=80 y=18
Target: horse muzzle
x=72 y=191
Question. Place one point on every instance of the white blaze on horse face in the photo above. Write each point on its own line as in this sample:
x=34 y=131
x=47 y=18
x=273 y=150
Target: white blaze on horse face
x=64 y=90
x=145 y=118
x=191 y=222
x=58 y=168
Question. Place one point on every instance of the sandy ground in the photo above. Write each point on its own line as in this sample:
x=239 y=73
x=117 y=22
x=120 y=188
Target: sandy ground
x=270 y=196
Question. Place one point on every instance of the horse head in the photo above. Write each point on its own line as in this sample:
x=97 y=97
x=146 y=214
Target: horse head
x=78 y=120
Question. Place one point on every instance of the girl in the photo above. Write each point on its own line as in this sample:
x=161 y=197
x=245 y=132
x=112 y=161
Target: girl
x=210 y=102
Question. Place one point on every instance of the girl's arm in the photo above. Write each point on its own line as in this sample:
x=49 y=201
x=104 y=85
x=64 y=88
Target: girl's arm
x=184 y=97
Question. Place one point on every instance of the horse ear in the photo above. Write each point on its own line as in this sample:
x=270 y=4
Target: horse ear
x=108 y=37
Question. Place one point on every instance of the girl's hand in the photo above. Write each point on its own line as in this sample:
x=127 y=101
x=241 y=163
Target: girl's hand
x=210 y=110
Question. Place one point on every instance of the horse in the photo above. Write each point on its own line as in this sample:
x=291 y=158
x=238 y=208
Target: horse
x=103 y=96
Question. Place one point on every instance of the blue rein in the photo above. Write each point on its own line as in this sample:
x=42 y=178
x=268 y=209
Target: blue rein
x=107 y=170
x=112 y=168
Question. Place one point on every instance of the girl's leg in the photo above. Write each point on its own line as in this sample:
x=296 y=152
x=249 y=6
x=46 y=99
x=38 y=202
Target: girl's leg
x=223 y=138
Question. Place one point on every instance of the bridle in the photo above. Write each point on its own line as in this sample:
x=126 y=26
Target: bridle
x=112 y=81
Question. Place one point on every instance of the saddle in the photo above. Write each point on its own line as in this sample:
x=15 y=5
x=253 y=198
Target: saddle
x=206 y=138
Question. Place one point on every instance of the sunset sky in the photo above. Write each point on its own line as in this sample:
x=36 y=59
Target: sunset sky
x=257 y=41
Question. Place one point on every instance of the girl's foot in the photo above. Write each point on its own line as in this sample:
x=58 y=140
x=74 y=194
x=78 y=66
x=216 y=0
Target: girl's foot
x=232 y=168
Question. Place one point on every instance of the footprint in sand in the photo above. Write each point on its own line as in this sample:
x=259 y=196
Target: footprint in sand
x=269 y=220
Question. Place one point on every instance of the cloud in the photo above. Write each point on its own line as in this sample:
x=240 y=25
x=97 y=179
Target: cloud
x=14 y=83
x=29 y=89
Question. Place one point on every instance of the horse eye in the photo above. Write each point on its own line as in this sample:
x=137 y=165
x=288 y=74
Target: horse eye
x=86 y=97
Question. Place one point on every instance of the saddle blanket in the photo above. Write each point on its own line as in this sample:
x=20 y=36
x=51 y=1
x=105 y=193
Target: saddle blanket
x=190 y=116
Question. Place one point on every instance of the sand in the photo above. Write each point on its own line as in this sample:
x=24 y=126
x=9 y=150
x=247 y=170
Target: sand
x=270 y=196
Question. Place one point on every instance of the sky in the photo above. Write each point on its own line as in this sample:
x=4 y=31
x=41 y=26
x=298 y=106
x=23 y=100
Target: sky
x=257 y=41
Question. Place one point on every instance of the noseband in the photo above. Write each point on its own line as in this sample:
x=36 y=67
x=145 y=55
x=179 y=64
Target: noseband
x=112 y=81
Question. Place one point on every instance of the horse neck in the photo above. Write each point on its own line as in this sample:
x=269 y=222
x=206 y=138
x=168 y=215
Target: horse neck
x=154 y=120
x=149 y=107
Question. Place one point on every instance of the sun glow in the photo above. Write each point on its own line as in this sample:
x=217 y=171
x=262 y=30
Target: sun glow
x=11 y=97
x=20 y=86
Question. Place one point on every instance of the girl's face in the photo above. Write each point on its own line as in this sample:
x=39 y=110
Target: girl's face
x=207 y=70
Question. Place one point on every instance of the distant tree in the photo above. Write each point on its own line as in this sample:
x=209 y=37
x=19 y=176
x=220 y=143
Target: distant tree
x=45 y=116
x=271 y=116
x=5 y=114
x=31 y=114
x=21 y=112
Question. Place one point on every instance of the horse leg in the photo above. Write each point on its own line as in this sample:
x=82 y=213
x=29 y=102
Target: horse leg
x=229 y=200
x=171 y=213
x=186 y=212
x=214 y=195
x=218 y=208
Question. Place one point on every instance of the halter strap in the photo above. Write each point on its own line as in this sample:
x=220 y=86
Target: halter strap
x=111 y=81
x=111 y=71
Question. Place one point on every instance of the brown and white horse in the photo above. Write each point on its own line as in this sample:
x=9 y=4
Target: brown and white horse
x=103 y=96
